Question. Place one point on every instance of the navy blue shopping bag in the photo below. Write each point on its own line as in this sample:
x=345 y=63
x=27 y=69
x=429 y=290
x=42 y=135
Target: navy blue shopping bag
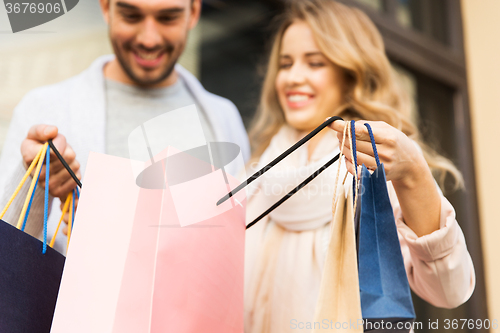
x=29 y=282
x=386 y=303
x=30 y=271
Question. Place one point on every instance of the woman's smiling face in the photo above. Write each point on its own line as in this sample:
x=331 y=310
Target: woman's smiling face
x=309 y=86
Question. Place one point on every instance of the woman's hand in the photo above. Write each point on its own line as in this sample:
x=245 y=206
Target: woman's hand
x=404 y=165
x=403 y=162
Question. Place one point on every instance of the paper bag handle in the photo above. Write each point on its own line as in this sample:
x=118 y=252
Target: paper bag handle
x=346 y=128
x=354 y=154
x=32 y=188
x=42 y=156
x=23 y=180
x=31 y=195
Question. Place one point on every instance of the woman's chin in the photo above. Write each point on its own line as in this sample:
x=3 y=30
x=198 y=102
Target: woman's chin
x=302 y=121
x=303 y=126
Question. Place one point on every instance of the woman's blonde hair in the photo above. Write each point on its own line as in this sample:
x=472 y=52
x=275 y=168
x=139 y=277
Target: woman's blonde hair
x=349 y=39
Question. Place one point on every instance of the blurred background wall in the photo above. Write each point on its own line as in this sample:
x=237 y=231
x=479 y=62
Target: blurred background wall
x=446 y=52
x=47 y=54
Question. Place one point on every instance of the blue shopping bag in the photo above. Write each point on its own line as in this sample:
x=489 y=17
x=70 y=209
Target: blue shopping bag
x=386 y=303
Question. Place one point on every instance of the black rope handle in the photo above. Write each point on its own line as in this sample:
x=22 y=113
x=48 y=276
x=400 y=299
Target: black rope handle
x=295 y=190
x=279 y=158
x=64 y=163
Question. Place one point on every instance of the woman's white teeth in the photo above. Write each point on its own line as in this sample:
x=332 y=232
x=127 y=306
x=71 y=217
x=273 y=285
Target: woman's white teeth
x=148 y=56
x=298 y=98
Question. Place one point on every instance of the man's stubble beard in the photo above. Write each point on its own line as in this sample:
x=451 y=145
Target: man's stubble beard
x=140 y=82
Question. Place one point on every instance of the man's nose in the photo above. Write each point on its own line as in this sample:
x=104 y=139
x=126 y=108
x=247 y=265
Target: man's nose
x=149 y=35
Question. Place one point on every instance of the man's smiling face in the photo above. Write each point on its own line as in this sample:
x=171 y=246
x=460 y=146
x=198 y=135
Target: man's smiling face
x=148 y=37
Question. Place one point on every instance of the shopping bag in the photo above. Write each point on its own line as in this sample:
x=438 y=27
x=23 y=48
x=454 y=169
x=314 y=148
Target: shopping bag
x=339 y=305
x=134 y=266
x=384 y=288
x=30 y=270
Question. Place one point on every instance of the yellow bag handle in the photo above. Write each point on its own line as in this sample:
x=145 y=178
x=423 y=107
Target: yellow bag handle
x=26 y=175
x=32 y=186
x=69 y=200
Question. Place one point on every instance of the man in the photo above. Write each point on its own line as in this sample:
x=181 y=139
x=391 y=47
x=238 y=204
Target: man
x=97 y=109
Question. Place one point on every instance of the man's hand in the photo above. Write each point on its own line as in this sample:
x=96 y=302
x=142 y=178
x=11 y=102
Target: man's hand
x=61 y=182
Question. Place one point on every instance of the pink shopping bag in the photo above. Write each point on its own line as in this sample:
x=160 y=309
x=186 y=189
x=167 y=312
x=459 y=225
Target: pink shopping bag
x=157 y=259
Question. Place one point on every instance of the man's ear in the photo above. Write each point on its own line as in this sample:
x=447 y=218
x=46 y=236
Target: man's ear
x=105 y=9
x=195 y=13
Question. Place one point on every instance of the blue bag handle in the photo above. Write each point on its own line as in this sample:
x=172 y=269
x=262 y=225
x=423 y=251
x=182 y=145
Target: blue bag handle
x=354 y=152
x=355 y=158
x=372 y=139
x=46 y=205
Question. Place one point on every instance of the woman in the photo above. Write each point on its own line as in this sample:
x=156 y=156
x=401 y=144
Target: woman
x=329 y=59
